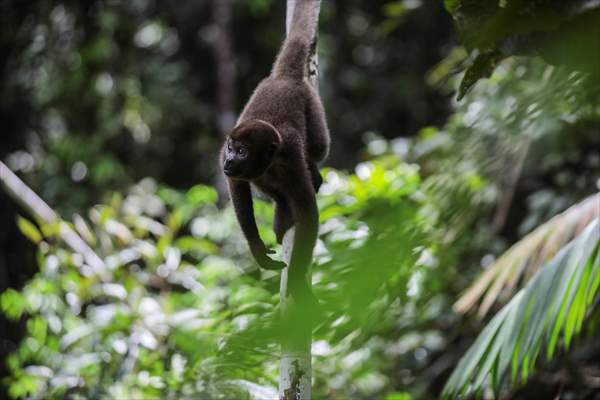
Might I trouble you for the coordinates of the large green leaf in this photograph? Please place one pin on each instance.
(525, 257)
(562, 32)
(508, 347)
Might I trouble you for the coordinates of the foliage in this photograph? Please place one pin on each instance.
(531, 322)
(513, 132)
(126, 333)
(182, 311)
(563, 32)
(525, 257)
(100, 94)
(519, 134)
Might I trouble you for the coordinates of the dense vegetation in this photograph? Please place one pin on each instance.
(439, 262)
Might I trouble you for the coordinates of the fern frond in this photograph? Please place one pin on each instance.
(519, 263)
(549, 311)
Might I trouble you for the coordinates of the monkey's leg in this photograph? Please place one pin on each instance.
(283, 220)
(315, 175)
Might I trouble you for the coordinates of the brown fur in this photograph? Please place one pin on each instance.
(280, 137)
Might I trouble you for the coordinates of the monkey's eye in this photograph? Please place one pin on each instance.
(242, 152)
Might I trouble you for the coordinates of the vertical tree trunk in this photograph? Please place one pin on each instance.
(295, 370)
(226, 71)
(222, 11)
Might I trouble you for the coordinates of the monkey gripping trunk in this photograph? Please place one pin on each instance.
(295, 368)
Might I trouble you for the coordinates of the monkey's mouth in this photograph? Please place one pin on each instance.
(231, 172)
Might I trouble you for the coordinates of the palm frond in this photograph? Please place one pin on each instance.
(519, 263)
(552, 306)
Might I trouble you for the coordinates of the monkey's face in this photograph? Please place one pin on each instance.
(244, 159)
(249, 149)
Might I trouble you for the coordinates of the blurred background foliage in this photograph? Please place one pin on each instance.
(97, 95)
(422, 194)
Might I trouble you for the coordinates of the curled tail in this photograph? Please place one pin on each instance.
(292, 61)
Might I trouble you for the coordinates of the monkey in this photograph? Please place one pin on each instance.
(280, 138)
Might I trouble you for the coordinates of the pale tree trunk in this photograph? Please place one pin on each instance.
(295, 370)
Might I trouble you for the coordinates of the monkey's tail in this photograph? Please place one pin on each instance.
(292, 61)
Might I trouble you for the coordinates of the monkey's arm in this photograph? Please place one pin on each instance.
(241, 196)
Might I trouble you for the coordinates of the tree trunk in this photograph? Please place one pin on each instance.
(295, 369)
(225, 60)
(222, 47)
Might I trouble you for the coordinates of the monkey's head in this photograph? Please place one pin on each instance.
(249, 149)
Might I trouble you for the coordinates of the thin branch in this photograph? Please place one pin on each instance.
(38, 209)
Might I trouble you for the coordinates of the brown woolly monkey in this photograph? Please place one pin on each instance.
(280, 137)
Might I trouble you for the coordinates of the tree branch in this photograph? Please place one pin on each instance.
(38, 209)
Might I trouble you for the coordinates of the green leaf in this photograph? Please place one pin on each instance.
(192, 244)
(451, 5)
(29, 229)
(563, 33)
(201, 195)
(12, 304)
(24, 386)
(398, 396)
(528, 254)
(482, 67)
(514, 337)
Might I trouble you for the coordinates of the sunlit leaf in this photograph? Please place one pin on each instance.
(28, 229)
(12, 303)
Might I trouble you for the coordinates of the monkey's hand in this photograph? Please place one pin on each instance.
(266, 262)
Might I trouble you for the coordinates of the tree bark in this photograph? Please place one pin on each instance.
(295, 372)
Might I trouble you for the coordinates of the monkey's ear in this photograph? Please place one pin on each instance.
(263, 131)
(259, 130)
(275, 136)
(277, 141)
(273, 147)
